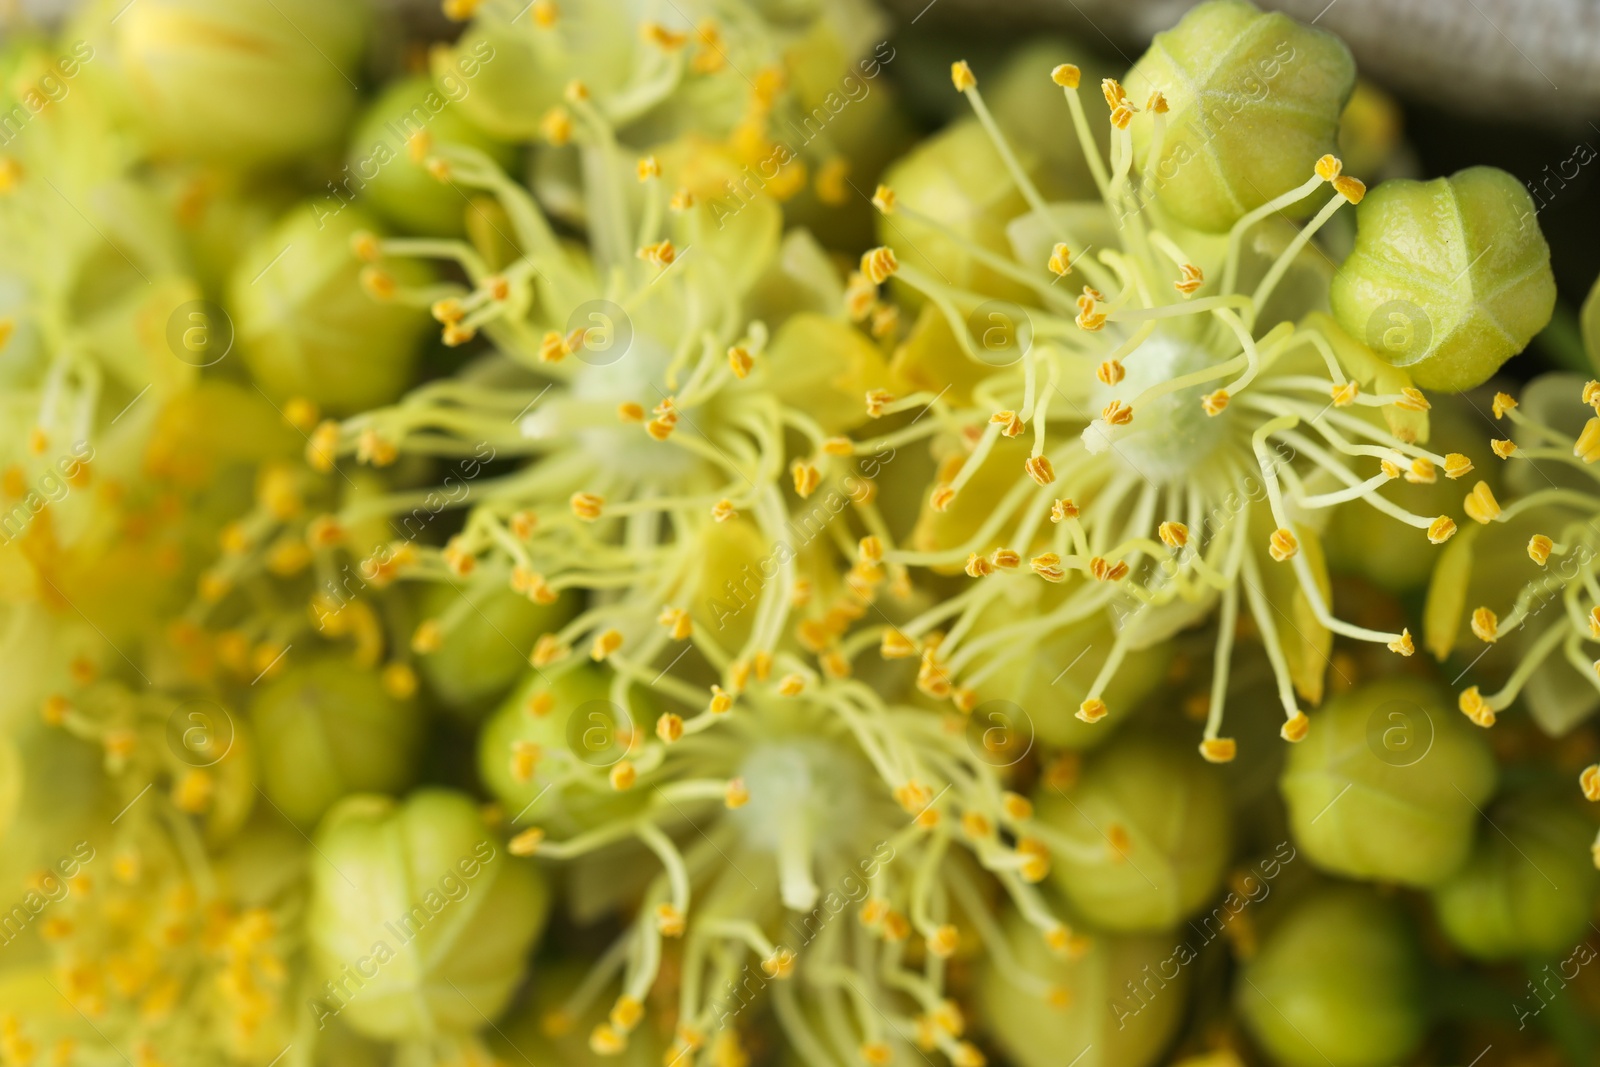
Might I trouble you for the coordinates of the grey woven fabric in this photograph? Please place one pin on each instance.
(1534, 59)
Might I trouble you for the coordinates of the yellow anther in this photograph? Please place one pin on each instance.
(978, 566)
(1192, 276)
(1066, 75)
(1345, 395)
(1215, 403)
(1441, 529)
(604, 1040)
(669, 727)
(1480, 504)
(1503, 402)
(878, 264)
(623, 776)
(1116, 413)
(1282, 545)
(1219, 749)
(1006, 559)
(192, 793)
(1352, 189)
(944, 941)
(806, 478)
(525, 843)
(460, 10)
(1106, 571)
(1091, 710)
(877, 1054)
(877, 400)
(10, 175)
(669, 921)
(429, 636)
(1411, 399)
(1587, 447)
(659, 255)
(721, 701)
(736, 795)
(1589, 782)
(1048, 566)
(1110, 372)
(780, 964)
(740, 360)
(1403, 644)
(681, 201)
(1539, 549)
(1156, 102)
(399, 680)
(961, 76)
(545, 14)
(792, 685)
(630, 411)
(378, 283)
(1474, 707)
(587, 506)
(626, 1013)
(1329, 168)
(1062, 510)
(648, 167)
(1504, 448)
(1456, 465)
(604, 644)
(1294, 730)
(1422, 472)
(883, 199)
(941, 498)
(1173, 534)
(1060, 260)
(723, 510)
(548, 649)
(525, 756)
(1485, 625)
(1039, 469)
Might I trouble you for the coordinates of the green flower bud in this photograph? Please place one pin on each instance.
(1529, 886)
(1146, 832)
(482, 653)
(327, 728)
(307, 324)
(545, 730)
(1253, 102)
(1590, 322)
(392, 143)
(245, 82)
(1142, 981)
(420, 921)
(1337, 982)
(1449, 278)
(1388, 784)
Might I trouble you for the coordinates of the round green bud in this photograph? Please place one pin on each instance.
(311, 321)
(245, 82)
(1253, 102)
(1117, 1005)
(1529, 886)
(327, 728)
(544, 732)
(1589, 321)
(1388, 784)
(420, 921)
(1151, 835)
(1337, 982)
(391, 145)
(483, 652)
(1448, 278)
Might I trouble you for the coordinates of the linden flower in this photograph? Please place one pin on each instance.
(824, 790)
(1174, 446)
(652, 376)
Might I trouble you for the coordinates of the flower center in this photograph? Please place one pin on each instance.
(1171, 434)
